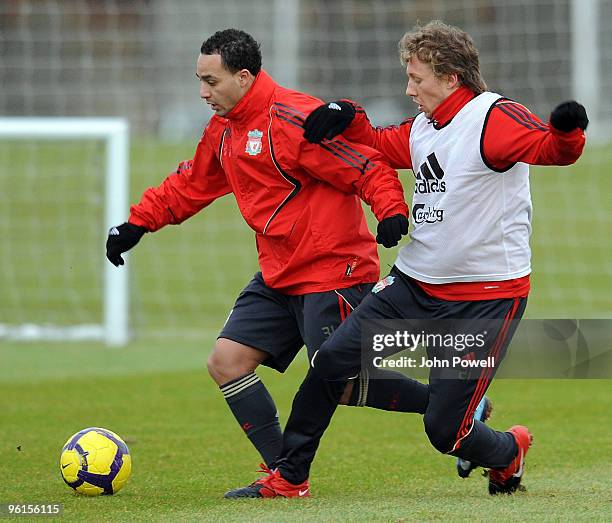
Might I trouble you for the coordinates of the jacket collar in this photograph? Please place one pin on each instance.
(256, 98)
(450, 106)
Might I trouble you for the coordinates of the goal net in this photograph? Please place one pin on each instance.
(53, 214)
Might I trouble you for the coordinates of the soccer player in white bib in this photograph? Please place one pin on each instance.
(469, 254)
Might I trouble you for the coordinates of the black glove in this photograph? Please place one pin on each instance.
(391, 230)
(328, 120)
(569, 115)
(120, 239)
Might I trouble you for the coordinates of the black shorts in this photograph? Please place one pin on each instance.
(280, 324)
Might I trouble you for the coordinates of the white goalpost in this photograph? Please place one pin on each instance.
(114, 132)
(586, 58)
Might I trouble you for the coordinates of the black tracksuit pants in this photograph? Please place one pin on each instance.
(449, 407)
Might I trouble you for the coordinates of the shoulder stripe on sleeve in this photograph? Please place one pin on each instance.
(288, 111)
(521, 116)
(291, 109)
(290, 114)
(518, 108)
(349, 154)
(289, 120)
(350, 151)
(362, 167)
(343, 158)
(522, 109)
(338, 148)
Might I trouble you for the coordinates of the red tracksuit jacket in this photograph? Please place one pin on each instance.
(302, 200)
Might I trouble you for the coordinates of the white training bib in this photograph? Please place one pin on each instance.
(471, 223)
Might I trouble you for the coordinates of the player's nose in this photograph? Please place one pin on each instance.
(204, 92)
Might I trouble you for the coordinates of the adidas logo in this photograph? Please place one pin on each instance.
(113, 232)
(429, 177)
(334, 106)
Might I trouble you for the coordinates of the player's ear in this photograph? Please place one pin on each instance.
(452, 81)
(244, 77)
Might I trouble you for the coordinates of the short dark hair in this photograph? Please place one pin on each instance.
(238, 50)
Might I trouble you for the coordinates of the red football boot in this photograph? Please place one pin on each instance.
(271, 486)
(507, 481)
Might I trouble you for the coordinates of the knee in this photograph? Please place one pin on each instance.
(214, 364)
(218, 366)
(325, 364)
(441, 434)
(225, 364)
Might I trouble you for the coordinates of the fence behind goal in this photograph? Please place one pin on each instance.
(136, 60)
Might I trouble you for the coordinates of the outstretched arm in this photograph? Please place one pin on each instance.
(349, 119)
(352, 168)
(194, 185)
(513, 134)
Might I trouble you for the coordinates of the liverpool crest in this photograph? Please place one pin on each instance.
(253, 145)
(383, 284)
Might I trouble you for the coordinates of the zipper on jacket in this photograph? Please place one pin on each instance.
(293, 181)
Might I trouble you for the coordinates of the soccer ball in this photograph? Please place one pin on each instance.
(95, 461)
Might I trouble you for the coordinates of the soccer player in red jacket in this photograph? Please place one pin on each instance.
(469, 254)
(303, 201)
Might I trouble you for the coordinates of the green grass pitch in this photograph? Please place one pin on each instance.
(187, 449)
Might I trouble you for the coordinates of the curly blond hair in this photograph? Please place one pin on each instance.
(448, 49)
